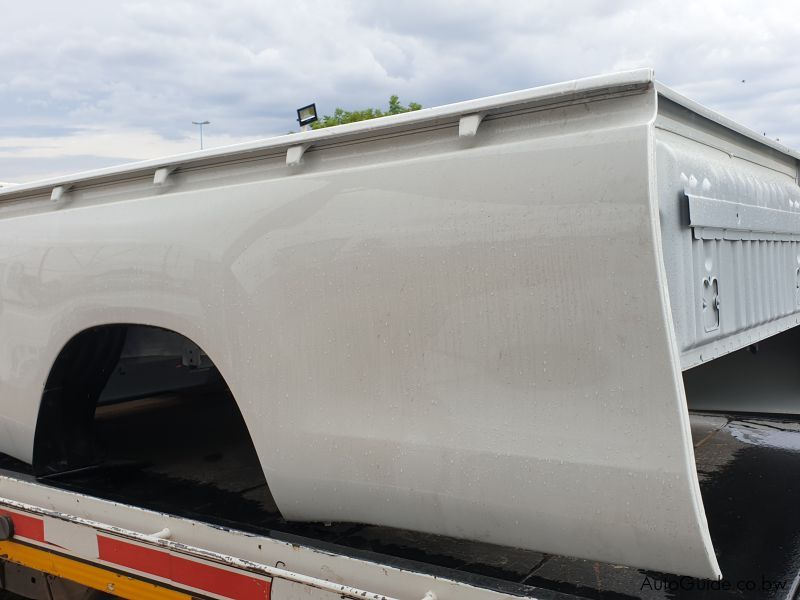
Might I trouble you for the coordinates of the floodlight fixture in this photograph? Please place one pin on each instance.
(307, 115)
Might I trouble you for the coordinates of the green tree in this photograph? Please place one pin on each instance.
(341, 116)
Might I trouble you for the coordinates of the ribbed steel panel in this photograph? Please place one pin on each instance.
(730, 228)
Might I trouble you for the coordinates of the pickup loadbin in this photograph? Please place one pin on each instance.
(470, 320)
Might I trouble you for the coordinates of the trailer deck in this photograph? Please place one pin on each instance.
(743, 461)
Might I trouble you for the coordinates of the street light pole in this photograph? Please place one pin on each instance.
(201, 123)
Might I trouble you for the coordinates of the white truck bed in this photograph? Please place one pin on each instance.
(471, 321)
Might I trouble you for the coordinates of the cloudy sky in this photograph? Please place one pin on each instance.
(91, 83)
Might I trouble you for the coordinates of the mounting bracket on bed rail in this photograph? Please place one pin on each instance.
(162, 175)
(59, 191)
(468, 124)
(294, 154)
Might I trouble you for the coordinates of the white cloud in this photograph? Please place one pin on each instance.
(105, 81)
(118, 144)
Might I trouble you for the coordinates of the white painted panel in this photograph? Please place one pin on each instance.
(74, 538)
(470, 341)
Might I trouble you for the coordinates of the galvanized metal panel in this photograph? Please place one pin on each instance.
(730, 219)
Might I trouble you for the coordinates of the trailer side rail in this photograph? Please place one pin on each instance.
(140, 554)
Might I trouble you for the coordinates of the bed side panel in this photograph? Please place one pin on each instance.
(467, 337)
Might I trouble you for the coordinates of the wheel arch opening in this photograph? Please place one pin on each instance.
(148, 402)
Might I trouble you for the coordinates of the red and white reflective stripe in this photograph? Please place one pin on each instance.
(199, 576)
(80, 537)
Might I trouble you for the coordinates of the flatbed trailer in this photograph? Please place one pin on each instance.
(181, 529)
